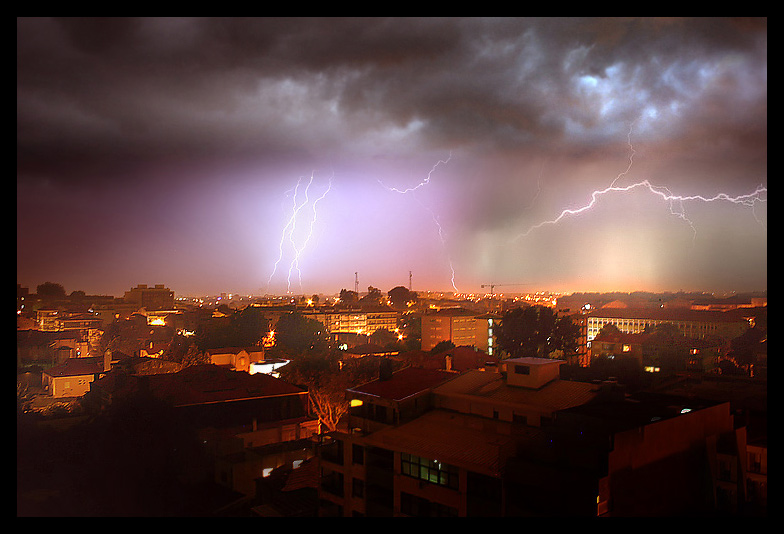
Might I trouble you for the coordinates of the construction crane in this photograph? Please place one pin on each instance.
(493, 286)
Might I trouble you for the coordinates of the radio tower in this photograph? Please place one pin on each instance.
(409, 280)
(356, 284)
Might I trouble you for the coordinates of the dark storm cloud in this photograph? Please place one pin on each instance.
(155, 87)
(536, 112)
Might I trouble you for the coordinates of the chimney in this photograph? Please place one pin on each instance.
(384, 369)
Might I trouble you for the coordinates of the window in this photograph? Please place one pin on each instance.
(517, 418)
(357, 454)
(522, 370)
(431, 471)
(357, 487)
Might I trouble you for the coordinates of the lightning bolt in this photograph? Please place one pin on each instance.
(290, 227)
(440, 229)
(298, 250)
(675, 202)
(420, 184)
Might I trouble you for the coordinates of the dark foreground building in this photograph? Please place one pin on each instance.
(522, 442)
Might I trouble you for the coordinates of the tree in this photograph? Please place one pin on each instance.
(348, 297)
(744, 348)
(50, 291)
(411, 326)
(441, 346)
(401, 296)
(609, 329)
(384, 338)
(194, 356)
(326, 380)
(536, 331)
(297, 334)
(373, 297)
(565, 335)
(667, 347)
(248, 326)
(244, 328)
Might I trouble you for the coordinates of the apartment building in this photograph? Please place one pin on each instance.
(158, 297)
(486, 327)
(362, 321)
(521, 443)
(249, 424)
(457, 325)
(692, 323)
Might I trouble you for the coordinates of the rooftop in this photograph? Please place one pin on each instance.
(673, 314)
(452, 438)
(77, 367)
(454, 312)
(203, 384)
(463, 358)
(556, 395)
(639, 409)
(404, 383)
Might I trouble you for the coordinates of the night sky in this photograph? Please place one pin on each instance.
(175, 151)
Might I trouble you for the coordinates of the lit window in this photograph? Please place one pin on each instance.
(429, 470)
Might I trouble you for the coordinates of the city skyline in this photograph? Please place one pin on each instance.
(286, 155)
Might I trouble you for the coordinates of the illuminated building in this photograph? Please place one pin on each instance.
(73, 377)
(150, 298)
(485, 334)
(363, 321)
(46, 320)
(457, 325)
(691, 323)
(703, 355)
(236, 358)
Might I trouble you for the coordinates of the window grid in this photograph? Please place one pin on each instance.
(431, 471)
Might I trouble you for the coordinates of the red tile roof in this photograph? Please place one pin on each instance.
(202, 384)
(199, 384)
(405, 383)
(77, 367)
(671, 314)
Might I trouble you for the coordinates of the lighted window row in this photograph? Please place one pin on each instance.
(431, 471)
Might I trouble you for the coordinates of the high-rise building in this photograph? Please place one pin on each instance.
(457, 325)
(150, 298)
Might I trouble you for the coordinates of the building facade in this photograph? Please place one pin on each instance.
(158, 297)
(361, 321)
(457, 325)
(691, 323)
(523, 443)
